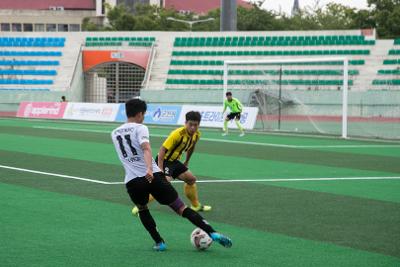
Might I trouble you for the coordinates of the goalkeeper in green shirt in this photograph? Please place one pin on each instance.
(236, 109)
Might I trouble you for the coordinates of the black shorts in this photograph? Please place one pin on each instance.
(173, 168)
(232, 116)
(139, 190)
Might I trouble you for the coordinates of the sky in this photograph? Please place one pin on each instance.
(286, 5)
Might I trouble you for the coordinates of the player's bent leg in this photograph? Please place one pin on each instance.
(225, 127)
(190, 189)
(135, 209)
(240, 127)
(167, 192)
(150, 225)
(180, 208)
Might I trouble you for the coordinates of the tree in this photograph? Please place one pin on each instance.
(87, 25)
(381, 14)
(120, 19)
(255, 19)
(385, 13)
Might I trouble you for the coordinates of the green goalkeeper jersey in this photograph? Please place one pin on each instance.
(235, 106)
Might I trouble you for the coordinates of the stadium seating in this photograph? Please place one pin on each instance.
(118, 41)
(221, 62)
(28, 72)
(23, 82)
(391, 61)
(25, 89)
(394, 52)
(273, 41)
(29, 62)
(30, 53)
(22, 65)
(256, 82)
(262, 72)
(386, 82)
(271, 53)
(103, 44)
(32, 41)
(207, 59)
(389, 72)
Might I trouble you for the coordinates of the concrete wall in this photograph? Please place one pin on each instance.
(44, 16)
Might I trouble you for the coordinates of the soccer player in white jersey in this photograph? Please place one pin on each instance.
(143, 177)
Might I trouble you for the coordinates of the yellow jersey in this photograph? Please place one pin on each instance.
(179, 141)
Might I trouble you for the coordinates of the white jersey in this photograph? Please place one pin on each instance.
(127, 140)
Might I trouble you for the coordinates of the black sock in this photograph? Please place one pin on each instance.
(197, 220)
(150, 225)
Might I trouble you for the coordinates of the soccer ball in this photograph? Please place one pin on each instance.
(200, 239)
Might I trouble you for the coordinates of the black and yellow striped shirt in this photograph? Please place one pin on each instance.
(179, 141)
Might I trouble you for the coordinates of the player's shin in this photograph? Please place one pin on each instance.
(226, 126)
(197, 220)
(239, 125)
(191, 194)
(150, 225)
(179, 207)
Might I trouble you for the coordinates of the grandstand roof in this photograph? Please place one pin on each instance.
(197, 6)
(45, 4)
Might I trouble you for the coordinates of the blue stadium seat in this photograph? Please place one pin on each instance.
(32, 41)
(31, 53)
(25, 82)
(25, 89)
(29, 62)
(28, 72)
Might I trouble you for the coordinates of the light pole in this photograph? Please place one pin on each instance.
(190, 22)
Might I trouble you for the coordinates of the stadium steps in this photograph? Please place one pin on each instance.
(67, 63)
(161, 64)
(372, 65)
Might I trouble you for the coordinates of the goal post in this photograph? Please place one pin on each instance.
(270, 68)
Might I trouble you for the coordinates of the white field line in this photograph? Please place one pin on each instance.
(211, 181)
(54, 174)
(231, 141)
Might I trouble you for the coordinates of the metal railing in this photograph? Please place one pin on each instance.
(149, 66)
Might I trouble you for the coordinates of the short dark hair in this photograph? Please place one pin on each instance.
(135, 106)
(228, 93)
(193, 116)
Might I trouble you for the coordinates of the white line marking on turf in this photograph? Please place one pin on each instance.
(288, 179)
(210, 181)
(54, 174)
(231, 141)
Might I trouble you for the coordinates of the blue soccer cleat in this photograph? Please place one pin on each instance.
(160, 246)
(223, 240)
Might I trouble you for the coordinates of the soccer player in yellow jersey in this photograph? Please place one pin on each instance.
(183, 139)
(236, 109)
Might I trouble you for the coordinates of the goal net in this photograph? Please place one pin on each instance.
(299, 95)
